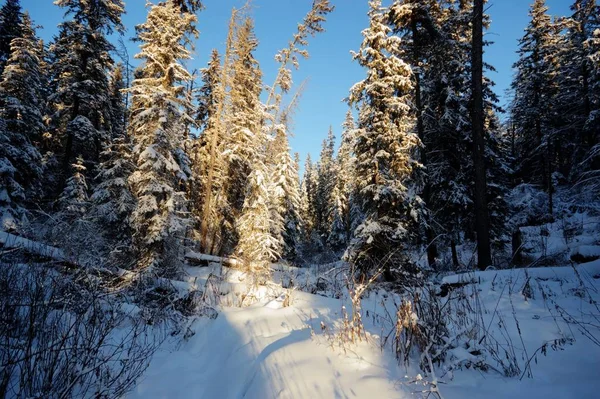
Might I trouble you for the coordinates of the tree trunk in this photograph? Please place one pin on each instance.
(482, 223)
(455, 261)
(517, 247)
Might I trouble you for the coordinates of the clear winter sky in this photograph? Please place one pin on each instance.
(330, 70)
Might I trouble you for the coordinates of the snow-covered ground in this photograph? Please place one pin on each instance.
(268, 351)
(547, 319)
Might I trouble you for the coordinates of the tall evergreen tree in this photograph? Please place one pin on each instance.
(160, 111)
(244, 123)
(118, 108)
(418, 23)
(214, 191)
(274, 120)
(579, 97)
(256, 246)
(436, 36)
(307, 194)
(533, 106)
(112, 199)
(81, 65)
(286, 196)
(10, 28)
(590, 167)
(344, 195)
(21, 109)
(210, 96)
(386, 169)
(326, 177)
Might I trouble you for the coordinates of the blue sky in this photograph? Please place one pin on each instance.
(330, 71)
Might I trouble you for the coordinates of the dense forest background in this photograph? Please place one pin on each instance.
(132, 167)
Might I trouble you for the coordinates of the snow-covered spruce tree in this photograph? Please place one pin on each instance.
(286, 191)
(21, 109)
(276, 116)
(211, 162)
(244, 117)
(273, 117)
(578, 97)
(499, 173)
(118, 108)
(80, 68)
(112, 201)
(74, 200)
(10, 28)
(437, 36)
(419, 23)
(256, 242)
(344, 195)
(385, 147)
(307, 194)
(158, 117)
(590, 167)
(532, 108)
(326, 176)
(210, 95)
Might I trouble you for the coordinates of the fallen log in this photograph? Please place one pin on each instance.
(11, 241)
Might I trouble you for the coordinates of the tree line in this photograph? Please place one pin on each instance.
(134, 167)
(433, 161)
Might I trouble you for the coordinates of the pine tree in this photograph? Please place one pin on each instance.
(112, 200)
(326, 176)
(344, 195)
(285, 224)
(118, 108)
(307, 195)
(590, 175)
(82, 62)
(244, 116)
(482, 221)
(420, 25)
(532, 109)
(274, 119)
(578, 98)
(74, 200)
(21, 109)
(385, 147)
(214, 204)
(437, 37)
(210, 96)
(160, 112)
(10, 28)
(256, 242)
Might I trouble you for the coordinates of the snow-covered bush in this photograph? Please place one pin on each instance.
(529, 205)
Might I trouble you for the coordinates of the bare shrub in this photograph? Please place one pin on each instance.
(55, 344)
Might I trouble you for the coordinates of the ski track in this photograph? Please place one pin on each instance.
(268, 352)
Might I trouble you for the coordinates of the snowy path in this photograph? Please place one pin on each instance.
(267, 351)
